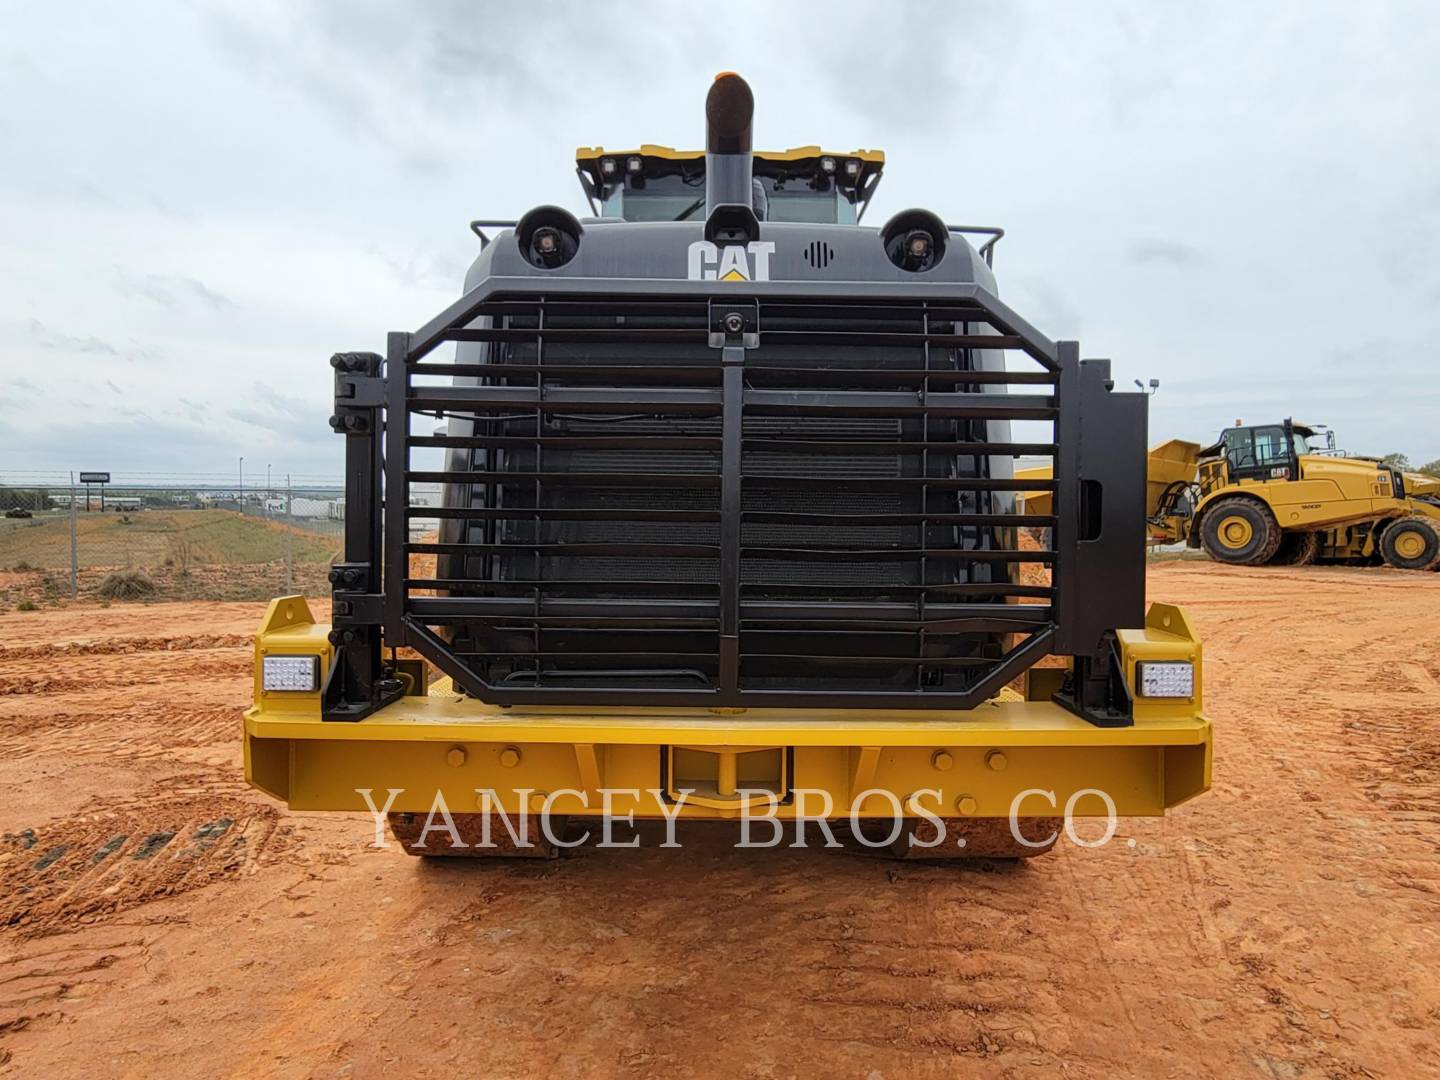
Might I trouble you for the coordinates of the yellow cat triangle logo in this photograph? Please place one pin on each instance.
(733, 275)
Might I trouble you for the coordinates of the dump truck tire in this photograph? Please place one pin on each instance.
(468, 840)
(1297, 549)
(1241, 532)
(985, 838)
(1411, 543)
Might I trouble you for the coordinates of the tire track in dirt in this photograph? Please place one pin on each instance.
(950, 982)
(38, 988)
(126, 852)
(55, 675)
(142, 733)
(61, 651)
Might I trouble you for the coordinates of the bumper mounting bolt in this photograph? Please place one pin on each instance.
(997, 760)
(455, 756)
(966, 804)
(942, 761)
(509, 757)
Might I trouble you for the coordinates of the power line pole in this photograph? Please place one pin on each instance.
(74, 545)
(289, 537)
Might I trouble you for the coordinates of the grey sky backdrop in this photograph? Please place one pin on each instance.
(199, 205)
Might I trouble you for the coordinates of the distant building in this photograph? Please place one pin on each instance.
(302, 507)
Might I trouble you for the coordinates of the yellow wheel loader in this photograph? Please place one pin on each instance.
(703, 508)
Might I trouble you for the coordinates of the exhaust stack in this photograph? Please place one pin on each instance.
(729, 202)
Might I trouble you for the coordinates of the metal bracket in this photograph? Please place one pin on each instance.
(734, 322)
(1096, 691)
(359, 391)
(356, 608)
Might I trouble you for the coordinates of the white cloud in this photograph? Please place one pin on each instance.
(1237, 199)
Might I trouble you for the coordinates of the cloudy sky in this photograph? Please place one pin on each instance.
(198, 205)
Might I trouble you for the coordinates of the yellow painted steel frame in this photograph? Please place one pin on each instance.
(587, 154)
(973, 762)
(1331, 491)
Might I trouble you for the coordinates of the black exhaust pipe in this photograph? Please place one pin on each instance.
(729, 201)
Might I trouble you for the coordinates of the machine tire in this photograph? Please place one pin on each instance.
(471, 831)
(985, 838)
(1241, 532)
(1297, 549)
(1411, 543)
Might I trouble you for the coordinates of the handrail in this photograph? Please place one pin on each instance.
(987, 249)
(479, 226)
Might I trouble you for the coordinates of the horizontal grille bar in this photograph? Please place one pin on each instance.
(560, 442)
(522, 513)
(709, 376)
(588, 335)
(427, 607)
(664, 399)
(683, 480)
(621, 550)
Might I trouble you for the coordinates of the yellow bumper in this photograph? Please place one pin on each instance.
(977, 763)
(973, 763)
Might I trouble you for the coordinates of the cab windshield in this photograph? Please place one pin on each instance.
(682, 198)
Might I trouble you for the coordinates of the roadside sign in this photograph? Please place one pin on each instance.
(94, 477)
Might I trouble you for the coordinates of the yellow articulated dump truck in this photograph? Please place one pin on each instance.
(1269, 494)
(703, 507)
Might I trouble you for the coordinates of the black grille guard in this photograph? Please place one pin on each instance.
(768, 494)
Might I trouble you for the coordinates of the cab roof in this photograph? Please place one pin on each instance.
(855, 171)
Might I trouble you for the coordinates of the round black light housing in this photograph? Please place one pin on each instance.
(548, 237)
(915, 240)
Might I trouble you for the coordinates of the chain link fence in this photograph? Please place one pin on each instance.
(171, 540)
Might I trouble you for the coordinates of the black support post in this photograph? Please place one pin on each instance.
(1099, 533)
(356, 684)
(397, 487)
(733, 360)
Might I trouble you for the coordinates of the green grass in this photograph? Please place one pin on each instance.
(155, 538)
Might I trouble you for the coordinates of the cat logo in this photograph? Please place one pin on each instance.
(731, 262)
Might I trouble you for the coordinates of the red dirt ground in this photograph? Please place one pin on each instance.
(1285, 925)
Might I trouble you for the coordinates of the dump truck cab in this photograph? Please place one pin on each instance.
(729, 524)
(1261, 452)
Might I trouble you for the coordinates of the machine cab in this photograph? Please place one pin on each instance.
(1263, 452)
(656, 183)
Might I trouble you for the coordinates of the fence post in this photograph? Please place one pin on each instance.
(74, 547)
(289, 537)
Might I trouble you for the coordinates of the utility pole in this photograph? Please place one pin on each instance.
(289, 537)
(74, 546)
(240, 494)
